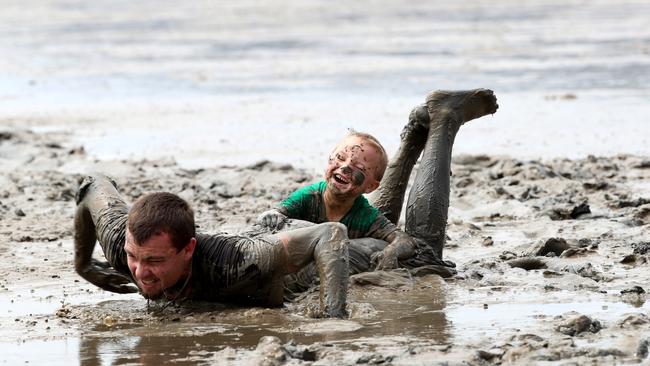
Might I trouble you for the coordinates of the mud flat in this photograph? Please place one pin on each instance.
(552, 263)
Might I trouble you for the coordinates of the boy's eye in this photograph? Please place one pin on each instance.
(340, 157)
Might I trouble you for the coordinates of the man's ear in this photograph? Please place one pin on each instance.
(372, 186)
(188, 251)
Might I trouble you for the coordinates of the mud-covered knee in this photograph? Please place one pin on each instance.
(335, 231)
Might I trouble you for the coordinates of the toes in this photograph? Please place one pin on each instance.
(489, 99)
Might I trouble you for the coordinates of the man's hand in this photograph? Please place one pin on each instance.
(272, 219)
(386, 259)
(102, 275)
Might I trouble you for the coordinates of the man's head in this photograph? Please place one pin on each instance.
(356, 165)
(160, 241)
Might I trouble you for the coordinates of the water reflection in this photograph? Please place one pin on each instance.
(196, 331)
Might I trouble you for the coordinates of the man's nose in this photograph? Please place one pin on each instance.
(141, 270)
(346, 169)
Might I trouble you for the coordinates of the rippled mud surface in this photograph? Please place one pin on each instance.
(552, 266)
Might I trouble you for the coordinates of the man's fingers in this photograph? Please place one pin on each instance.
(449, 264)
(108, 279)
(118, 284)
(127, 289)
(100, 264)
(120, 289)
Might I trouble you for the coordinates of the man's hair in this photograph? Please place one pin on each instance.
(372, 141)
(155, 213)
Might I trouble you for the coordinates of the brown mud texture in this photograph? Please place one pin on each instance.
(552, 259)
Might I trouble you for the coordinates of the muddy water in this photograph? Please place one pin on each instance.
(129, 332)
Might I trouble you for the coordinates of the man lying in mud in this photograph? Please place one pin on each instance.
(155, 246)
(358, 165)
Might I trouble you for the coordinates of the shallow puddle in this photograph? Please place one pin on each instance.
(403, 321)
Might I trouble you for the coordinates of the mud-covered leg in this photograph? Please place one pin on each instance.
(389, 196)
(101, 213)
(327, 245)
(360, 253)
(428, 201)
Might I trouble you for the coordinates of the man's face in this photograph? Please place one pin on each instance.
(156, 264)
(352, 168)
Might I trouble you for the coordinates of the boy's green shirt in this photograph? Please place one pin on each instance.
(363, 220)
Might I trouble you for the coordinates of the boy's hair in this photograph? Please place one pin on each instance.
(160, 212)
(372, 140)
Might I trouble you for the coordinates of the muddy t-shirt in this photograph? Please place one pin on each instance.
(224, 267)
(362, 221)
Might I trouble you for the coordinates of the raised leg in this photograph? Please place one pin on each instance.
(428, 201)
(101, 214)
(389, 196)
(327, 245)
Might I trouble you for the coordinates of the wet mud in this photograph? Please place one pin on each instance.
(534, 283)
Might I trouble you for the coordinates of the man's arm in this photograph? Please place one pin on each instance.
(100, 274)
(400, 246)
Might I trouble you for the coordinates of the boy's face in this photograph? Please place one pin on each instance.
(352, 168)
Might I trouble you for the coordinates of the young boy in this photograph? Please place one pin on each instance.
(357, 165)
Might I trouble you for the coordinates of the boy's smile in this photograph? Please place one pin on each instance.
(352, 167)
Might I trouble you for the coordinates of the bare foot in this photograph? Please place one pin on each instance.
(463, 105)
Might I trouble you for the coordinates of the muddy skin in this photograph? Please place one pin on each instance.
(89, 205)
(357, 174)
(389, 196)
(327, 243)
(228, 268)
(357, 177)
(428, 201)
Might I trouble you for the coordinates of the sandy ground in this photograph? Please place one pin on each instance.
(549, 210)
(583, 300)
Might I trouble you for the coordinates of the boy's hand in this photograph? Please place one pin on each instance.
(386, 259)
(272, 219)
